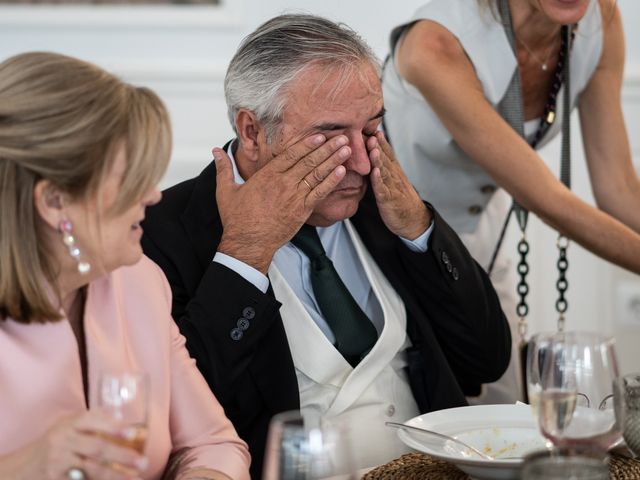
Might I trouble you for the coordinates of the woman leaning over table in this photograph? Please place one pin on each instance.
(450, 69)
(81, 153)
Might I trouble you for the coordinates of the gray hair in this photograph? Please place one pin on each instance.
(271, 57)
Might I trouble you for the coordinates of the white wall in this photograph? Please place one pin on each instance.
(182, 52)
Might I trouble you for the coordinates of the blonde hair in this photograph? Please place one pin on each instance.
(62, 119)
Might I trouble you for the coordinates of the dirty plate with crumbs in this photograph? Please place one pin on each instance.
(497, 430)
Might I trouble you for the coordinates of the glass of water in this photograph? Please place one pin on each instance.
(307, 448)
(575, 406)
(536, 351)
(566, 464)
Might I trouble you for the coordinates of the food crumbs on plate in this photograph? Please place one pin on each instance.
(500, 452)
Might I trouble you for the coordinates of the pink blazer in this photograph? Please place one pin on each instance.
(128, 326)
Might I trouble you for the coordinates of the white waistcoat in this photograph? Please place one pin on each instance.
(363, 398)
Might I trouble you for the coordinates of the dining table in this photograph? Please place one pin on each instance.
(420, 466)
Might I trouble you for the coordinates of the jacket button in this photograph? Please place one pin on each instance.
(475, 209)
(236, 334)
(391, 410)
(445, 257)
(455, 274)
(243, 324)
(249, 313)
(487, 189)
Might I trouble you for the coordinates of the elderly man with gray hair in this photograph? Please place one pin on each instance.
(306, 271)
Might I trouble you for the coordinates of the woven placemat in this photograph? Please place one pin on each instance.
(418, 466)
(624, 468)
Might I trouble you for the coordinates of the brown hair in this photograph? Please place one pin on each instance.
(61, 119)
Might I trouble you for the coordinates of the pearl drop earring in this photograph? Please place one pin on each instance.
(69, 240)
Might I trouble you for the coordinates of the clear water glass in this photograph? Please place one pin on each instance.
(566, 464)
(536, 351)
(310, 448)
(575, 406)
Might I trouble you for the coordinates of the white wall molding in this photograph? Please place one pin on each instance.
(190, 77)
(631, 84)
(230, 13)
(632, 72)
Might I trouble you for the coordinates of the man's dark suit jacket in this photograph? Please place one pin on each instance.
(459, 333)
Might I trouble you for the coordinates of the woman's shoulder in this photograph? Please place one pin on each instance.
(469, 45)
(143, 268)
(463, 18)
(143, 279)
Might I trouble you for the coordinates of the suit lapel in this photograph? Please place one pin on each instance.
(201, 219)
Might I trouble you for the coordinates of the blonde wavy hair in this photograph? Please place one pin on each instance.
(62, 119)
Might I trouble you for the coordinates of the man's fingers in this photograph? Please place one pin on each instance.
(380, 191)
(325, 187)
(333, 146)
(324, 169)
(372, 142)
(312, 159)
(386, 148)
(294, 153)
(375, 157)
(224, 170)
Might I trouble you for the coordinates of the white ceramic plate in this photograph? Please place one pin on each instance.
(498, 430)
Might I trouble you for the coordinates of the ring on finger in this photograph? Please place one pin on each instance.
(76, 473)
(304, 180)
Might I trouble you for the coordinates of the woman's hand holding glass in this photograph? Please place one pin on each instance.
(77, 442)
(575, 405)
(124, 398)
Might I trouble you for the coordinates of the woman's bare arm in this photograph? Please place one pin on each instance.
(432, 59)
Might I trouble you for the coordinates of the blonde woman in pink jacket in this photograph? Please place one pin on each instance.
(81, 153)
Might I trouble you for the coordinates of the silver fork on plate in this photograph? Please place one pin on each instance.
(442, 436)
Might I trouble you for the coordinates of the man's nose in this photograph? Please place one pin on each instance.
(359, 160)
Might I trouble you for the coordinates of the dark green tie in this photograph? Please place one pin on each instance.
(354, 332)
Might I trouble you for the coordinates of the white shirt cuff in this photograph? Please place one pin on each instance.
(250, 274)
(420, 244)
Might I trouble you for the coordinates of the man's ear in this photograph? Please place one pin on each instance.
(49, 202)
(249, 132)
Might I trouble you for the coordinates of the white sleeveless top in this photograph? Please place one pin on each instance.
(441, 172)
(462, 191)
